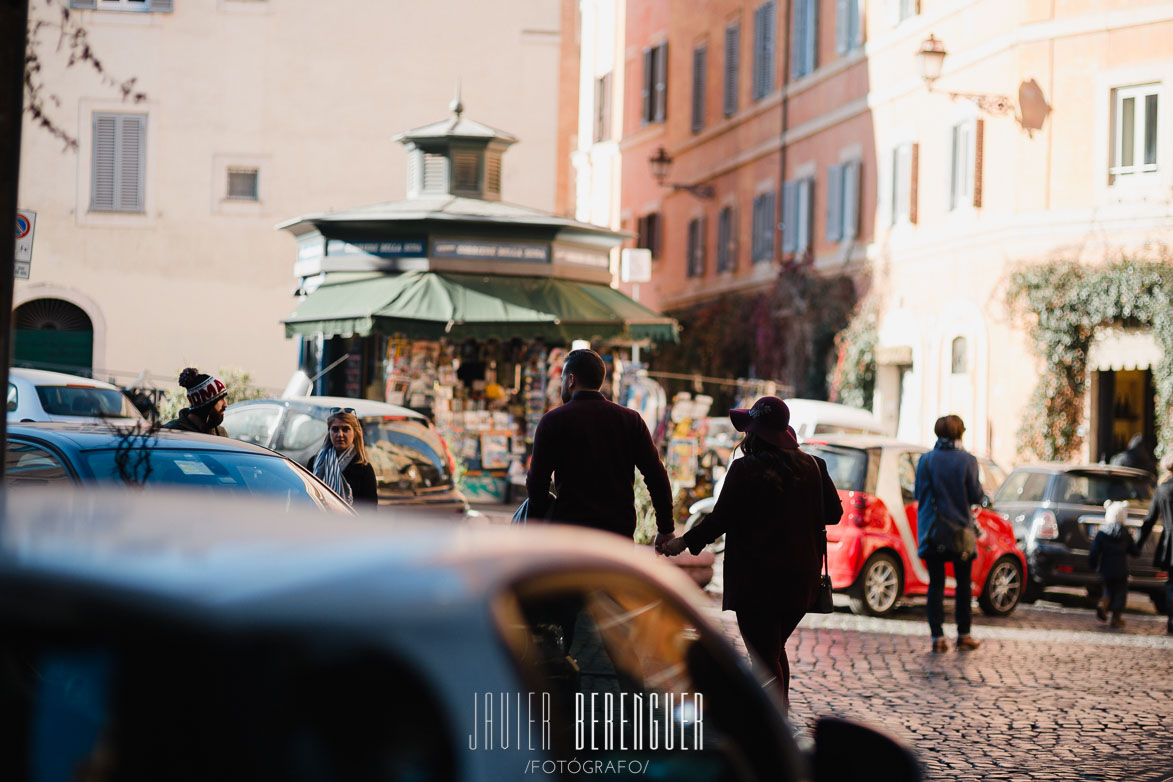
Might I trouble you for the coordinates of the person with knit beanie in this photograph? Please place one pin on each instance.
(206, 399)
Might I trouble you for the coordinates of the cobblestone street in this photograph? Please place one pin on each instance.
(1051, 694)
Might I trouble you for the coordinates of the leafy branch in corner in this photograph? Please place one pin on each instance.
(73, 43)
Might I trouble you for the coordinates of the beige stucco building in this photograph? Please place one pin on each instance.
(159, 227)
(1081, 167)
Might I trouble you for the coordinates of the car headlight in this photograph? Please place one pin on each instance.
(1044, 526)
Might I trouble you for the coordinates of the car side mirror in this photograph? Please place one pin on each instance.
(846, 751)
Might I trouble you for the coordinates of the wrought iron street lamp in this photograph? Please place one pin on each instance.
(930, 60)
(661, 162)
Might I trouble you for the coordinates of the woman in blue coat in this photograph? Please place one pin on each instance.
(946, 486)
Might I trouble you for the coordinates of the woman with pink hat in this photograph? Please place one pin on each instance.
(772, 510)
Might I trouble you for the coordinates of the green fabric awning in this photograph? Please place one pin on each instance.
(431, 305)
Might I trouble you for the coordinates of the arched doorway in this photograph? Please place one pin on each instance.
(53, 334)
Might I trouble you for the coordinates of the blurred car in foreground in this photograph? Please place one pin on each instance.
(410, 458)
(221, 642)
(871, 553)
(37, 395)
(58, 455)
(1056, 510)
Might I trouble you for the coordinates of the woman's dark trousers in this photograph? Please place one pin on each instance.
(962, 570)
(765, 634)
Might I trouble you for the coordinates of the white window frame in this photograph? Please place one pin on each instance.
(848, 26)
(1139, 95)
(962, 163)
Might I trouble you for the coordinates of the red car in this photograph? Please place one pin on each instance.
(871, 553)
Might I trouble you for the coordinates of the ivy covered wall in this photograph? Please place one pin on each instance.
(1064, 304)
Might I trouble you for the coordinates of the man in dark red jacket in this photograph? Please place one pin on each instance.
(593, 446)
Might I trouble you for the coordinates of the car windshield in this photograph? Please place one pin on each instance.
(406, 454)
(86, 401)
(848, 467)
(216, 471)
(1077, 488)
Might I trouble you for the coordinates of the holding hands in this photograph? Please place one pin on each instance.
(669, 545)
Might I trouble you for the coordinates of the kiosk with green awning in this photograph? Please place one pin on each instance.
(455, 302)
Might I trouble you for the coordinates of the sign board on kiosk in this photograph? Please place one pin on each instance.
(26, 221)
(635, 265)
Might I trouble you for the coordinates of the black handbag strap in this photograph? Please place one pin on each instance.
(822, 514)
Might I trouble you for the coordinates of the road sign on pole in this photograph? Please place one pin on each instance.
(26, 221)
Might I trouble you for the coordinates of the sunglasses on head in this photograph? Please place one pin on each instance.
(334, 410)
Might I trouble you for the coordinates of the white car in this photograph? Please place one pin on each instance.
(38, 395)
(190, 637)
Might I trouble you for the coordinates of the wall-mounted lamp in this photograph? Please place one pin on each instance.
(930, 59)
(661, 162)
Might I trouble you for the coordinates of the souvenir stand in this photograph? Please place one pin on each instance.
(456, 303)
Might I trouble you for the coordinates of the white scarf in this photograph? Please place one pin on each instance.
(328, 466)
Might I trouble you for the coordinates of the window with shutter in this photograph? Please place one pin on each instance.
(699, 61)
(834, 203)
(804, 38)
(902, 181)
(732, 63)
(961, 177)
(660, 101)
(603, 108)
(696, 248)
(806, 196)
(913, 174)
(851, 191)
(466, 172)
(648, 233)
(435, 173)
(764, 223)
(492, 174)
(976, 185)
(907, 9)
(243, 184)
(648, 86)
(848, 27)
(725, 235)
(119, 151)
(789, 217)
(763, 55)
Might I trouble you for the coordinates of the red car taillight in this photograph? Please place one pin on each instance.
(858, 509)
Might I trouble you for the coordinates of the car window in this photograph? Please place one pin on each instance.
(1074, 488)
(252, 423)
(906, 466)
(13, 398)
(1023, 486)
(26, 464)
(990, 476)
(218, 471)
(301, 431)
(848, 467)
(254, 705)
(86, 401)
(603, 643)
(406, 455)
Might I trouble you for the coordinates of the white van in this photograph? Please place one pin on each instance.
(810, 417)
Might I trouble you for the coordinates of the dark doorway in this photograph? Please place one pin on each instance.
(1125, 407)
(53, 334)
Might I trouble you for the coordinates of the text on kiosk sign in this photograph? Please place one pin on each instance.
(491, 251)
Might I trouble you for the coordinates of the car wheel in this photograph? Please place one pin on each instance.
(1003, 588)
(879, 585)
(1159, 602)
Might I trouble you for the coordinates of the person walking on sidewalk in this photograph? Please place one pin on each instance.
(772, 509)
(946, 486)
(342, 463)
(1162, 510)
(1109, 555)
(593, 447)
(207, 398)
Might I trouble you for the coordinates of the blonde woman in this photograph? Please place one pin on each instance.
(342, 463)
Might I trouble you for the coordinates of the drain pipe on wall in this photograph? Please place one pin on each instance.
(785, 119)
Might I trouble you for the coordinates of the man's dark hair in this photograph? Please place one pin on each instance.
(949, 426)
(587, 367)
